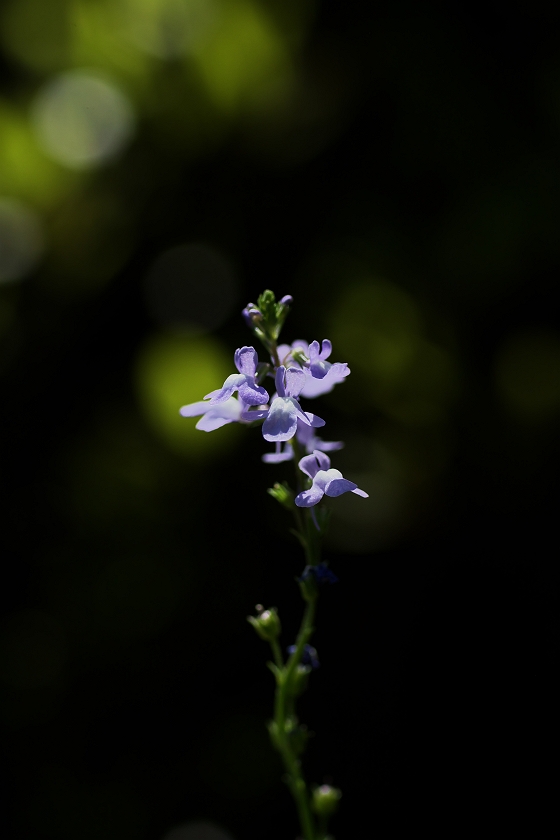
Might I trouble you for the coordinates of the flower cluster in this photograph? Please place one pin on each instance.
(299, 370)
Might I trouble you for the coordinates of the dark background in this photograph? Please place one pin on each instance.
(395, 168)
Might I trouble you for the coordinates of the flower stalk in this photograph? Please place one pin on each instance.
(299, 370)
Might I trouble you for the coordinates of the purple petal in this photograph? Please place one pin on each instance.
(276, 457)
(317, 387)
(231, 384)
(326, 350)
(319, 369)
(287, 300)
(252, 394)
(307, 437)
(361, 493)
(283, 351)
(308, 465)
(323, 460)
(279, 381)
(314, 349)
(194, 409)
(339, 370)
(220, 415)
(328, 446)
(300, 413)
(281, 423)
(314, 420)
(338, 486)
(246, 360)
(309, 497)
(248, 415)
(295, 380)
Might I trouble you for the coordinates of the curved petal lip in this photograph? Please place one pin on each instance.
(253, 394)
(194, 409)
(338, 486)
(277, 457)
(309, 497)
(281, 423)
(210, 422)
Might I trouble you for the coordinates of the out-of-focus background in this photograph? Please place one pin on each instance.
(395, 168)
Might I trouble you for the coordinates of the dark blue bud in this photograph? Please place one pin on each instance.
(308, 656)
(319, 573)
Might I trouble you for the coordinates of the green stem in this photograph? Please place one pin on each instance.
(276, 652)
(296, 781)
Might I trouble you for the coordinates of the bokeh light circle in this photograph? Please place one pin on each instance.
(82, 120)
(21, 240)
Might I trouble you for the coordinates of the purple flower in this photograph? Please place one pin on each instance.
(220, 414)
(285, 411)
(322, 375)
(308, 656)
(326, 481)
(306, 437)
(246, 361)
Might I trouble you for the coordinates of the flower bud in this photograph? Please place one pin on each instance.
(266, 623)
(325, 800)
(283, 495)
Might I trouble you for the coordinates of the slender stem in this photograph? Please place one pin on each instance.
(292, 764)
(276, 652)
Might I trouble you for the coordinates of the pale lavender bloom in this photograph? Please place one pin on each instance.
(285, 411)
(326, 481)
(246, 361)
(306, 437)
(322, 375)
(220, 414)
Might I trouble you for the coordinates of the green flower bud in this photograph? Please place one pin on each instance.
(325, 800)
(299, 356)
(266, 623)
(283, 494)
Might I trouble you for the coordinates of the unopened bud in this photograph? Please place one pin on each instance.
(283, 495)
(325, 800)
(266, 624)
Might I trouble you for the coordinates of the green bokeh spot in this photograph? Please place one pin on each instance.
(176, 370)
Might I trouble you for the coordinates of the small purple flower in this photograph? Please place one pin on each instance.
(285, 411)
(308, 656)
(215, 416)
(287, 300)
(319, 573)
(306, 437)
(246, 361)
(326, 481)
(322, 375)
